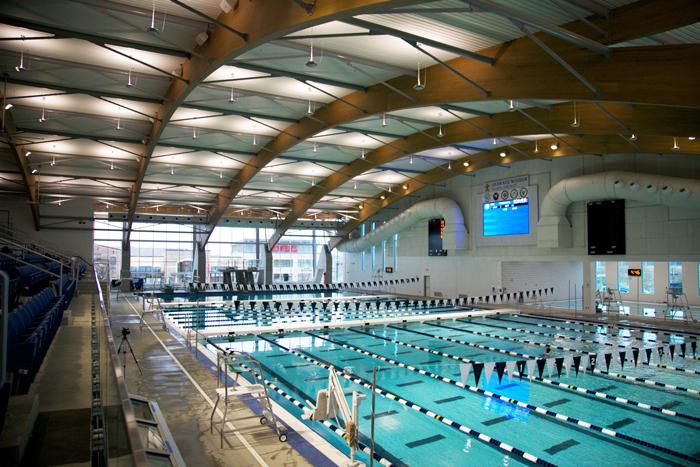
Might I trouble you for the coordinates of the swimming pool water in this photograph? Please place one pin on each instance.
(408, 437)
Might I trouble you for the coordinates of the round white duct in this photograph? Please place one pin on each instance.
(455, 235)
(554, 229)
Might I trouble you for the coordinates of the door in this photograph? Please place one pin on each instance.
(426, 286)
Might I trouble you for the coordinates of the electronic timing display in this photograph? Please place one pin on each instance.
(506, 217)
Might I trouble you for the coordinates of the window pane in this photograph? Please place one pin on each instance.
(675, 276)
(396, 241)
(623, 279)
(600, 275)
(648, 277)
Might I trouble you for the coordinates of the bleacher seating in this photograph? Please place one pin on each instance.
(31, 329)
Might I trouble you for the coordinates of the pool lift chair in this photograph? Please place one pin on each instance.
(330, 402)
(677, 301)
(238, 363)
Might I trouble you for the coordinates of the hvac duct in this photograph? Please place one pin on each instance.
(554, 229)
(455, 235)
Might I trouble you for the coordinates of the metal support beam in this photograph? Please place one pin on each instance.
(423, 40)
(628, 129)
(343, 56)
(240, 113)
(556, 57)
(97, 40)
(297, 76)
(572, 12)
(242, 35)
(144, 13)
(418, 47)
(144, 63)
(307, 7)
(456, 108)
(87, 92)
(593, 7)
(544, 26)
(348, 63)
(369, 132)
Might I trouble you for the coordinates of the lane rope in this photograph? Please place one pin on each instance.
(363, 382)
(538, 379)
(539, 410)
(568, 349)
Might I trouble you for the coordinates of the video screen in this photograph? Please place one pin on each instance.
(509, 217)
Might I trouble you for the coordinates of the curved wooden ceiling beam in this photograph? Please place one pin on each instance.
(522, 71)
(643, 120)
(263, 22)
(587, 144)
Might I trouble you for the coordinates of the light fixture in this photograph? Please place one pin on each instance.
(53, 158)
(555, 146)
(410, 161)
(576, 122)
(255, 139)
(495, 142)
(152, 30)
(449, 165)
(633, 137)
(511, 108)
(313, 182)
(111, 165)
(537, 146)
(194, 129)
(27, 153)
(440, 133)
(129, 84)
(382, 196)
(172, 170)
(311, 63)
(231, 100)
(315, 147)
(675, 144)
(363, 149)
(355, 185)
(503, 154)
(34, 171)
(8, 106)
(272, 178)
(21, 59)
(466, 163)
(43, 109)
(310, 111)
(405, 186)
(383, 119)
(691, 138)
(389, 189)
(221, 174)
(419, 86)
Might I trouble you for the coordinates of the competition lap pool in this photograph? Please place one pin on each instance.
(617, 413)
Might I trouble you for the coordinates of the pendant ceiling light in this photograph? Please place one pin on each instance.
(576, 121)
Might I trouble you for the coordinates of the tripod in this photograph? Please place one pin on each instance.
(125, 332)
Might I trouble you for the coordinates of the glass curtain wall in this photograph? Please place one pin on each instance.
(600, 275)
(648, 277)
(675, 276)
(623, 278)
(107, 248)
(162, 253)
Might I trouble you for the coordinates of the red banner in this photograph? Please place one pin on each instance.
(285, 249)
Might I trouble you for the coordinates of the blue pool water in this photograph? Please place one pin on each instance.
(408, 437)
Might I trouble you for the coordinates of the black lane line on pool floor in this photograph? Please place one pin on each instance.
(421, 442)
(562, 446)
(494, 421)
(558, 347)
(484, 393)
(562, 385)
(489, 441)
(580, 339)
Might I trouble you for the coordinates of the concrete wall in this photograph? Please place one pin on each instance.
(65, 233)
(654, 233)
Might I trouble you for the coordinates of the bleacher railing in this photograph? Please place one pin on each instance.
(115, 375)
(31, 245)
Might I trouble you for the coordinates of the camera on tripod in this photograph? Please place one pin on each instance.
(126, 332)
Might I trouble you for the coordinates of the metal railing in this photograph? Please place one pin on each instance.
(138, 455)
(32, 245)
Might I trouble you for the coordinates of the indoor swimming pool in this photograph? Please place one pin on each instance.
(643, 415)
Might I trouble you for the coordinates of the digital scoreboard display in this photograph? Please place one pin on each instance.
(435, 229)
(507, 217)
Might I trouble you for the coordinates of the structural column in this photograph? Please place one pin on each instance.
(588, 286)
(125, 275)
(200, 262)
(268, 265)
(329, 264)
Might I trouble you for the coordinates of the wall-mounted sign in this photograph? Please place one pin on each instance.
(507, 184)
(634, 272)
(285, 249)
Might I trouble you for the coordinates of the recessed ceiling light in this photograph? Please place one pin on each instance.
(503, 154)
(466, 163)
(555, 146)
(383, 197)
(633, 137)
(8, 106)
